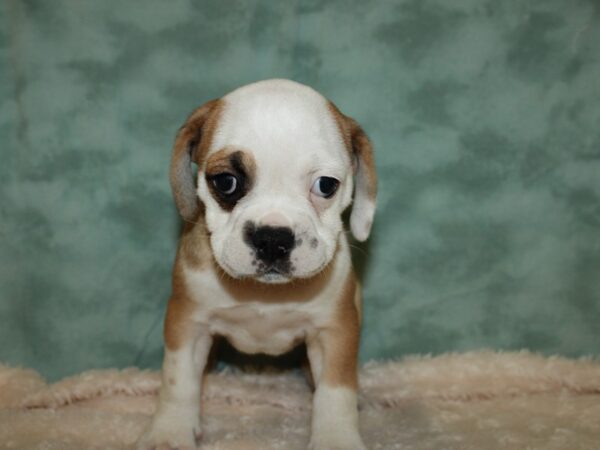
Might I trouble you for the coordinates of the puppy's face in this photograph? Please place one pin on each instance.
(275, 172)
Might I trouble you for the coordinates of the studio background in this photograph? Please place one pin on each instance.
(485, 120)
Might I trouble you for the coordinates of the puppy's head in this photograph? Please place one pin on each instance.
(276, 163)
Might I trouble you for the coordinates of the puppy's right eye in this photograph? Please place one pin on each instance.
(225, 183)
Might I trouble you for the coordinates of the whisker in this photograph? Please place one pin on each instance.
(360, 249)
(188, 221)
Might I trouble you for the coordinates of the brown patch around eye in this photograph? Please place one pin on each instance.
(226, 163)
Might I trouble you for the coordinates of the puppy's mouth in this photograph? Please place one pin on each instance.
(273, 278)
(273, 274)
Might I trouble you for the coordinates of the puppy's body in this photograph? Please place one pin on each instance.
(263, 260)
(271, 321)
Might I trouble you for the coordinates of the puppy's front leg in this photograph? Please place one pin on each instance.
(176, 422)
(333, 357)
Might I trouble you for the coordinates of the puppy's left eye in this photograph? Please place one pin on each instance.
(325, 187)
(225, 183)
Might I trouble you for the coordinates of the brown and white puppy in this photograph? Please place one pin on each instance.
(263, 260)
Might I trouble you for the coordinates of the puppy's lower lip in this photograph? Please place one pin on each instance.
(272, 277)
(272, 273)
(274, 270)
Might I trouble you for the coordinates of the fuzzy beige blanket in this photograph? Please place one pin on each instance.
(478, 400)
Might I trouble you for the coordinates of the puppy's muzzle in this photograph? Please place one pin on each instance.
(272, 247)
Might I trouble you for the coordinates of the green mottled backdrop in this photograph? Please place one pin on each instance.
(485, 116)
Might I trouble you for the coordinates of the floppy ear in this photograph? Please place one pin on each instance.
(365, 188)
(191, 144)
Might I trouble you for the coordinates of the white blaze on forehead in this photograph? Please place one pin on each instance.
(278, 117)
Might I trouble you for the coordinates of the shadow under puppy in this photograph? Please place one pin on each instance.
(263, 259)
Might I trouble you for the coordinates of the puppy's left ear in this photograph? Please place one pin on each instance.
(191, 145)
(365, 189)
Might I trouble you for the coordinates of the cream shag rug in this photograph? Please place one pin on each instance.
(478, 400)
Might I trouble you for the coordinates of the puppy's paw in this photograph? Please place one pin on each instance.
(169, 436)
(337, 441)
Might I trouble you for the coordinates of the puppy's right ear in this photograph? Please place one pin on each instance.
(191, 144)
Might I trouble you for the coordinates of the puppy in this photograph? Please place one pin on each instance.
(263, 259)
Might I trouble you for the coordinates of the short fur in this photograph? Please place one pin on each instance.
(277, 139)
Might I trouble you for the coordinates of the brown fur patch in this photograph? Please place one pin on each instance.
(179, 327)
(341, 120)
(201, 126)
(192, 144)
(194, 246)
(239, 163)
(360, 148)
(193, 252)
(340, 340)
(218, 162)
(221, 161)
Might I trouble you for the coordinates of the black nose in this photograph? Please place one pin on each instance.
(271, 243)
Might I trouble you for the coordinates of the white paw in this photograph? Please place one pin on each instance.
(162, 435)
(337, 441)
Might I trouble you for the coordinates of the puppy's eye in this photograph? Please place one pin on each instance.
(325, 187)
(225, 183)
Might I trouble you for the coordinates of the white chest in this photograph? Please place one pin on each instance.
(258, 328)
(266, 319)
